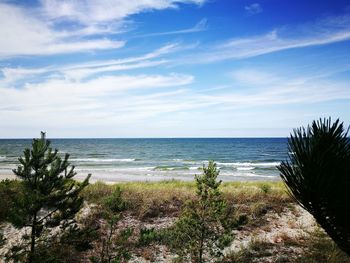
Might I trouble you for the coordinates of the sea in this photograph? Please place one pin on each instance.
(117, 160)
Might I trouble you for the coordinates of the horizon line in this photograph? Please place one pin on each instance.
(94, 138)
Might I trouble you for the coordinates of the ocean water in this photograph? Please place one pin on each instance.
(158, 159)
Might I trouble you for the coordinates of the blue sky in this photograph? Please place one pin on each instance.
(172, 68)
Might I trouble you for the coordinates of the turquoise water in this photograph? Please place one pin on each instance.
(157, 159)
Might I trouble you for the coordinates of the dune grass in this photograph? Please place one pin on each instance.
(165, 198)
(148, 201)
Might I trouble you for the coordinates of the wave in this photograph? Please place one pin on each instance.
(170, 168)
(250, 164)
(247, 174)
(245, 168)
(128, 169)
(102, 160)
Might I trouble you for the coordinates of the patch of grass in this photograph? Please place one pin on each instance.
(266, 188)
(94, 193)
(165, 198)
(320, 248)
(257, 249)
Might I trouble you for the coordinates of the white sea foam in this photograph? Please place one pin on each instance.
(8, 158)
(245, 168)
(119, 169)
(246, 174)
(250, 164)
(98, 160)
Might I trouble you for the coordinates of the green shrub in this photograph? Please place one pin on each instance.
(148, 235)
(202, 224)
(11, 196)
(114, 242)
(114, 202)
(265, 188)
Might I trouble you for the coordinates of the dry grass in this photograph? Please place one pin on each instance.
(165, 198)
(319, 247)
(157, 205)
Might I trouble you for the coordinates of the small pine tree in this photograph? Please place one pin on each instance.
(50, 196)
(114, 242)
(203, 226)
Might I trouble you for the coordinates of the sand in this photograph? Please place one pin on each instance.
(6, 176)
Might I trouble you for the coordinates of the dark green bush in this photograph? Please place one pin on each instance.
(11, 195)
(317, 175)
(115, 202)
(149, 235)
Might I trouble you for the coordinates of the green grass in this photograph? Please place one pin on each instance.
(165, 190)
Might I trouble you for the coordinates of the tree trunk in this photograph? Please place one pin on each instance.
(201, 244)
(32, 242)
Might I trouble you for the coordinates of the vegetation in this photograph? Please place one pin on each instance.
(113, 243)
(11, 192)
(317, 176)
(203, 225)
(48, 197)
(150, 238)
(147, 236)
(316, 247)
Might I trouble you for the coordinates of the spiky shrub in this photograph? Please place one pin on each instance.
(50, 197)
(203, 228)
(317, 175)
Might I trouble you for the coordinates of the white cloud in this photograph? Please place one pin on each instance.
(253, 77)
(169, 48)
(260, 88)
(323, 32)
(24, 34)
(199, 27)
(38, 31)
(109, 104)
(101, 11)
(253, 9)
(53, 93)
(83, 70)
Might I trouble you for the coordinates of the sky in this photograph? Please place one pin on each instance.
(172, 68)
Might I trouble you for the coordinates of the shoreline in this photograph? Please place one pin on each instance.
(152, 180)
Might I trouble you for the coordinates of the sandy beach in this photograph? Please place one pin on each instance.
(7, 176)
